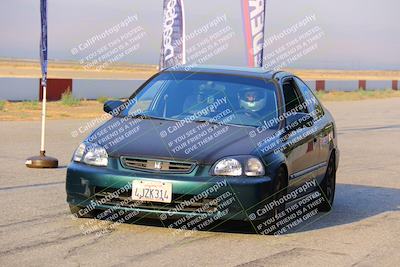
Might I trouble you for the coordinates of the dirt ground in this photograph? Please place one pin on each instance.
(68, 69)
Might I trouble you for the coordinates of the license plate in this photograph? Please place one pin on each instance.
(152, 191)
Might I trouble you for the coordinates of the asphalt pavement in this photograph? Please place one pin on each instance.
(363, 229)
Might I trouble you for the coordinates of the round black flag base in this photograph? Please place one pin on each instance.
(41, 161)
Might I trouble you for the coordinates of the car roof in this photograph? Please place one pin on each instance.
(231, 70)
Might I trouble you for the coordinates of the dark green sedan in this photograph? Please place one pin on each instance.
(201, 144)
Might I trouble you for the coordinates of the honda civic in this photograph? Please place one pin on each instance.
(226, 143)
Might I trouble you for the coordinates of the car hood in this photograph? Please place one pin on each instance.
(186, 141)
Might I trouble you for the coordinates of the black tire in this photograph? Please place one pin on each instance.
(328, 185)
(75, 210)
(280, 188)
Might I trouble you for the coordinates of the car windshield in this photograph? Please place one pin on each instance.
(201, 97)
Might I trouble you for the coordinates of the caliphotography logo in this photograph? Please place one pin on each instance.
(199, 133)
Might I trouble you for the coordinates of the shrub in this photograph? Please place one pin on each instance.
(2, 104)
(68, 99)
(320, 94)
(33, 104)
(102, 99)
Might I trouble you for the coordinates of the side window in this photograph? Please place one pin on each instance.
(313, 105)
(293, 99)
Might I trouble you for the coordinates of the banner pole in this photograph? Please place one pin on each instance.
(43, 161)
(42, 138)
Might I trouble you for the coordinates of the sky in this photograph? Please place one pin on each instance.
(357, 34)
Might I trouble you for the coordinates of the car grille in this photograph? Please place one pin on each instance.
(155, 165)
(179, 202)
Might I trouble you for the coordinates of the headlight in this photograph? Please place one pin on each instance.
(228, 167)
(78, 155)
(91, 154)
(254, 167)
(238, 165)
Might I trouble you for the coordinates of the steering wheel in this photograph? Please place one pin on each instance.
(249, 113)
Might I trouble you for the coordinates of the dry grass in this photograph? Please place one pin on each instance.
(26, 111)
(18, 68)
(31, 110)
(357, 95)
(320, 74)
(71, 69)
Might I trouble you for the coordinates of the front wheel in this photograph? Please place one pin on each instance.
(328, 185)
(280, 189)
(272, 223)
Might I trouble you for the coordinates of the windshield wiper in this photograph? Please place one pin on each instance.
(140, 116)
(149, 117)
(222, 123)
(206, 121)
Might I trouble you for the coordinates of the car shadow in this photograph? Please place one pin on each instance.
(352, 203)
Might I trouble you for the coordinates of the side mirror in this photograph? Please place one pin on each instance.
(110, 105)
(297, 121)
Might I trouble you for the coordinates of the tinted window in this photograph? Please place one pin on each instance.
(311, 101)
(293, 99)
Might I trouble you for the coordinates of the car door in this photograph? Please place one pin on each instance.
(301, 148)
(324, 129)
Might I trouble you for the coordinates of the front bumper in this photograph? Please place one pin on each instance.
(227, 198)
